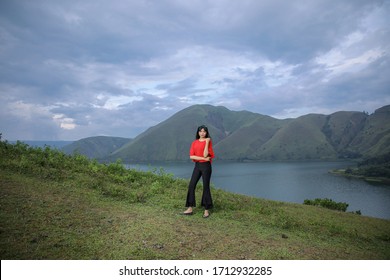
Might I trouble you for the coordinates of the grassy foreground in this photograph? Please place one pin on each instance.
(55, 206)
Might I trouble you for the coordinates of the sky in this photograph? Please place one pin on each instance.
(73, 69)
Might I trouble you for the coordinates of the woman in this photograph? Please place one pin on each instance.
(201, 152)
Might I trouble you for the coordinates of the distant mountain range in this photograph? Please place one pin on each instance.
(97, 147)
(42, 143)
(243, 135)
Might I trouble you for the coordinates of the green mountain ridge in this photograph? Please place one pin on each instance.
(244, 135)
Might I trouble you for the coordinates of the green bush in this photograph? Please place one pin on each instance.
(327, 203)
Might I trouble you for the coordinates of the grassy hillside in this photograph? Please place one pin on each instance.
(55, 206)
(374, 138)
(300, 139)
(341, 128)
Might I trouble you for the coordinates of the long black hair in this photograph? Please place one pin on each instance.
(205, 129)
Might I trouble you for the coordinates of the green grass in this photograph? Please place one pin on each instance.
(55, 206)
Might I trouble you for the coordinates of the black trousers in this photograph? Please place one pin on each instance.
(204, 170)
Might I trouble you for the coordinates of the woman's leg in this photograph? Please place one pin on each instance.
(207, 201)
(196, 173)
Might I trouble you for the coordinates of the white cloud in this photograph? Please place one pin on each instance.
(350, 55)
(64, 122)
(28, 111)
(114, 102)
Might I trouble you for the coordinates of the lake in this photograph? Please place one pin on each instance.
(291, 182)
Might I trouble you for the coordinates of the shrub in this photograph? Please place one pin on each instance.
(327, 203)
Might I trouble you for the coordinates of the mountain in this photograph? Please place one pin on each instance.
(170, 139)
(243, 135)
(96, 147)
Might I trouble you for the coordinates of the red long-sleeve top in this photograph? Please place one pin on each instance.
(197, 149)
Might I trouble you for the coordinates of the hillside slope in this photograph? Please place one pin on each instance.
(374, 138)
(58, 207)
(300, 139)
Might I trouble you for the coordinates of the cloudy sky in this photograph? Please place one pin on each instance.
(73, 69)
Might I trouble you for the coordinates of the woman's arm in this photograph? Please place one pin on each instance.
(200, 158)
(206, 148)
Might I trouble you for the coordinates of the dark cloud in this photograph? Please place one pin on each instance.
(73, 69)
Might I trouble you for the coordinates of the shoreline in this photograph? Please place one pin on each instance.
(377, 180)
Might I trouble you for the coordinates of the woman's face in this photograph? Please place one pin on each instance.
(202, 133)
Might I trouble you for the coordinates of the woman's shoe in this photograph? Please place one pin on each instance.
(188, 211)
(206, 215)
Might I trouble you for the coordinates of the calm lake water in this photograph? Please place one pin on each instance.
(291, 182)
